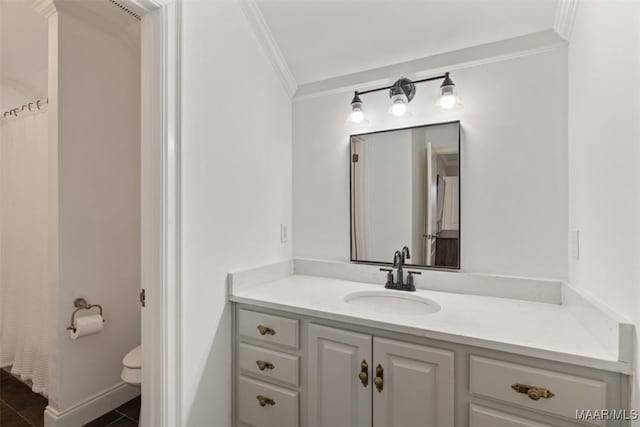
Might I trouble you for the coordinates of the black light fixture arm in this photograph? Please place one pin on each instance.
(428, 79)
(401, 93)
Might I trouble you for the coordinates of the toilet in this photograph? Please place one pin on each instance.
(132, 367)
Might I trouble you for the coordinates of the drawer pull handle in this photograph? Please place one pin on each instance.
(364, 373)
(379, 379)
(265, 330)
(264, 400)
(534, 393)
(262, 365)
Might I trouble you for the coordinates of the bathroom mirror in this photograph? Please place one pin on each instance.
(405, 191)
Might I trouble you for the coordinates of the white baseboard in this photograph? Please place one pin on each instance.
(91, 408)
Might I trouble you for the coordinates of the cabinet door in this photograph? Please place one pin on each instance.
(336, 395)
(417, 385)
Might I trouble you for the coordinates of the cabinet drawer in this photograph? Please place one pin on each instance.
(268, 328)
(275, 365)
(485, 417)
(281, 411)
(494, 379)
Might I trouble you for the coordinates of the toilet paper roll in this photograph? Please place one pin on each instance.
(87, 325)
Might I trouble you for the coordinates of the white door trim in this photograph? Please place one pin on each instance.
(160, 181)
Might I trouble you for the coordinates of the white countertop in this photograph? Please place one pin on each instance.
(535, 329)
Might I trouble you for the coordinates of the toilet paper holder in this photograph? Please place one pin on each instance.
(81, 304)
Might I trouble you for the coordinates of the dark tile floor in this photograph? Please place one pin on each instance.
(126, 415)
(19, 406)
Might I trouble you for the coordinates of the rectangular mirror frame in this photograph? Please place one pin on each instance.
(413, 266)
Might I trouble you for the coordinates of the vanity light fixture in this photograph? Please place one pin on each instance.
(357, 115)
(398, 102)
(448, 98)
(401, 94)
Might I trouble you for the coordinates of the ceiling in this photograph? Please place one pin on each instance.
(321, 39)
(24, 45)
(23, 49)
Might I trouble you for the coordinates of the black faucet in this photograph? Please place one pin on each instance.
(399, 259)
(398, 262)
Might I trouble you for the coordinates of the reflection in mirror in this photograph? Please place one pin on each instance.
(405, 191)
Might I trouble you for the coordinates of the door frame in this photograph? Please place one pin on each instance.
(160, 209)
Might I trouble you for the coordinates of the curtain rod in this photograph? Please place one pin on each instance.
(38, 104)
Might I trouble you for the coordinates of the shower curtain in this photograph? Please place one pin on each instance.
(24, 293)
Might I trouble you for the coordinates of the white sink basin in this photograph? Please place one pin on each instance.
(400, 303)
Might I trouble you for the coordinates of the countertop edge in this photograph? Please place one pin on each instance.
(572, 359)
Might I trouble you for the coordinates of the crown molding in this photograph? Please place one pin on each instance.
(564, 18)
(262, 31)
(504, 50)
(142, 7)
(45, 8)
(27, 90)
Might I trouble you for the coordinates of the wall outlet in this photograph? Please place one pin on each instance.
(284, 233)
(575, 244)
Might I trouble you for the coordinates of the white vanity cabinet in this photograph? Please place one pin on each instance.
(485, 417)
(266, 358)
(417, 387)
(301, 371)
(354, 376)
(340, 377)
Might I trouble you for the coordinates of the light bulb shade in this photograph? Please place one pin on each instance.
(401, 98)
(447, 81)
(357, 115)
(448, 101)
(399, 109)
(446, 90)
(356, 99)
(401, 93)
(399, 104)
(448, 98)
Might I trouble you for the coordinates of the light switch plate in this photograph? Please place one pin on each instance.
(284, 233)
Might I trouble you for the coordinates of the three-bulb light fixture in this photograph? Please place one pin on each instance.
(401, 94)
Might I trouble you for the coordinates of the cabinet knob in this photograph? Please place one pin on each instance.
(534, 393)
(264, 400)
(364, 373)
(262, 365)
(379, 379)
(265, 330)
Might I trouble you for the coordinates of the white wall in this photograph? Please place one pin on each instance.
(604, 155)
(23, 54)
(95, 143)
(513, 157)
(236, 189)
